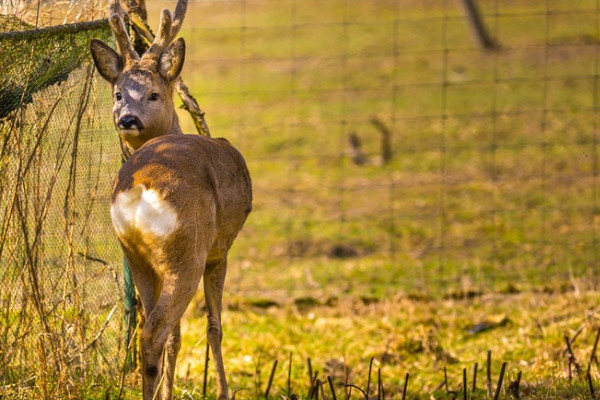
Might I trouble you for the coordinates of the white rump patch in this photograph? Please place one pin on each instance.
(143, 210)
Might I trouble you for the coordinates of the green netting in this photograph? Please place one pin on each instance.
(36, 58)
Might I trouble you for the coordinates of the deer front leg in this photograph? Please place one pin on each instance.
(148, 286)
(214, 279)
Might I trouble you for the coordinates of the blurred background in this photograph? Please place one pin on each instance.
(390, 144)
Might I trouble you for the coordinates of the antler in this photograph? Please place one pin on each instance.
(117, 24)
(168, 29)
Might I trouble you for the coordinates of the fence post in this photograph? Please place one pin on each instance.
(130, 317)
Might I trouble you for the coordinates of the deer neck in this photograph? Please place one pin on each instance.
(175, 127)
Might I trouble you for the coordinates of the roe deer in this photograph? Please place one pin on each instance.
(178, 202)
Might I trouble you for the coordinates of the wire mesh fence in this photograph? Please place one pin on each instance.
(384, 140)
(386, 146)
(490, 185)
(61, 316)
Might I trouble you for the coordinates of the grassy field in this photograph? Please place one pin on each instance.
(489, 148)
(479, 234)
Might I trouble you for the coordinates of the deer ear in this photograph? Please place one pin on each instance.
(108, 62)
(171, 60)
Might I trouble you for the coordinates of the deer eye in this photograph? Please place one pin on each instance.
(154, 97)
(118, 96)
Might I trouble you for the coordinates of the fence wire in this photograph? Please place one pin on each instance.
(385, 142)
(61, 320)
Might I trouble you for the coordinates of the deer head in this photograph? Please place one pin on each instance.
(142, 86)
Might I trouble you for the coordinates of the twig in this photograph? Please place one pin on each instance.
(310, 371)
(313, 385)
(346, 386)
(591, 385)
(270, 380)
(236, 391)
(331, 387)
(474, 387)
(289, 377)
(513, 387)
(497, 395)
(577, 333)
(90, 258)
(359, 389)
(405, 386)
(464, 383)
(380, 393)
(569, 367)
(593, 355)
(157, 389)
(572, 355)
(316, 389)
(191, 105)
(369, 377)
(446, 379)
(99, 334)
(489, 373)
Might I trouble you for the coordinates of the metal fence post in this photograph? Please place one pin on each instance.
(130, 317)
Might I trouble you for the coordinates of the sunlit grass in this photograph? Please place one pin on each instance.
(402, 335)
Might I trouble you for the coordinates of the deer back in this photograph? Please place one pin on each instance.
(179, 190)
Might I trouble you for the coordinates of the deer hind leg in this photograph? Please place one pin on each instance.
(148, 286)
(214, 279)
(162, 323)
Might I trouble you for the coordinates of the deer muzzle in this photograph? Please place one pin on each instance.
(130, 122)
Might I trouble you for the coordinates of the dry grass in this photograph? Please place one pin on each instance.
(422, 337)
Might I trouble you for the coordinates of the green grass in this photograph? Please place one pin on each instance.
(487, 152)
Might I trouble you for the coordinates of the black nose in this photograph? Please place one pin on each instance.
(130, 122)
